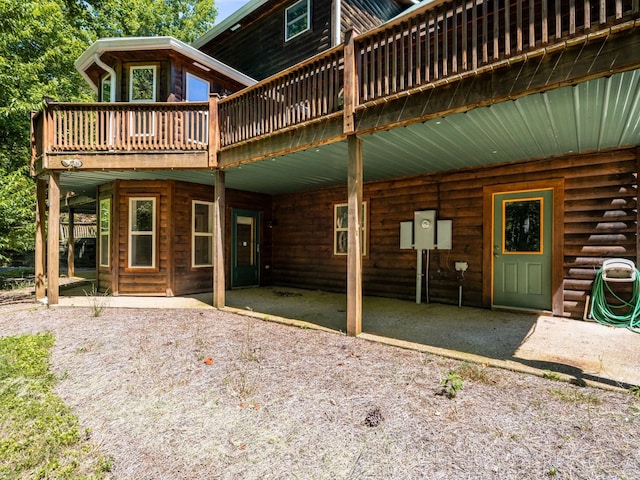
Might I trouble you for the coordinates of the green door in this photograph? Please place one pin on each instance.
(522, 243)
(245, 248)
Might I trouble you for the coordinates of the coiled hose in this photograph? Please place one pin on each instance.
(625, 314)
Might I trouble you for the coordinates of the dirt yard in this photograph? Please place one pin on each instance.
(205, 394)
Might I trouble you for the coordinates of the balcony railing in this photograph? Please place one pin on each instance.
(128, 127)
(436, 43)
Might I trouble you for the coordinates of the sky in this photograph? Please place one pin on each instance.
(227, 7)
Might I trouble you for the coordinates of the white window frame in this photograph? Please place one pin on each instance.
(132, 118)
(105, 232)
(341, 228)
(106, 80)
(195, 234)
(132, 233)
(287, 22)
(133, 68)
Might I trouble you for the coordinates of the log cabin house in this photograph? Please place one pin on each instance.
(370, 147)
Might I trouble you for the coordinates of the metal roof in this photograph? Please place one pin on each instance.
(590, 116)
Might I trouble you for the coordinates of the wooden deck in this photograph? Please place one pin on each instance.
(491, 50)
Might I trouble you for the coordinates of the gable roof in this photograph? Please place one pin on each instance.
(84, 62)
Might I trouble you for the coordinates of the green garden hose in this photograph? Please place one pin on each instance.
(625, 314)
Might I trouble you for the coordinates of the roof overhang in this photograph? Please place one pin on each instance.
(128, 44)
(233, 19)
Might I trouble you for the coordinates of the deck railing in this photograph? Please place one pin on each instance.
(450, 37)
(305, 92)
(435, 43)
(96, 127)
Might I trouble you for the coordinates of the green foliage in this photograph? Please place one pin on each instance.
(39, 436)
(451, 385)
(635, 391)
(17, 220)
(183, 19)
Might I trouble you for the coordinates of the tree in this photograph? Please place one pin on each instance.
(39, 42)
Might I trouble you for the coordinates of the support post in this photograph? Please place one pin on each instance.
(71, 241)
(218, 240)
(40, 250)
(214, 130)
(350, 83)
(354, 248)
(53, 239)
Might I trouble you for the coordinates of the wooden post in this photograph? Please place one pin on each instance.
(53, 239)
(214, 130)
(350, 83)
(218, 240)
(354, 248)
(71, 241)
(41, 251)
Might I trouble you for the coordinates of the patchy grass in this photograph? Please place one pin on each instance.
(39, 436)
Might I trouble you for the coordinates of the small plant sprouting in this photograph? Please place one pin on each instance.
(635, 391)
(450, 385)
(552, 375)
(99, 300)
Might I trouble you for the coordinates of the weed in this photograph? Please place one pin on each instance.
(478, 373)
(99, 300)
(450, 385)
(576, 396)
(548, 374)
(635, 391)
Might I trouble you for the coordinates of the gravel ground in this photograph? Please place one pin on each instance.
(205, 394)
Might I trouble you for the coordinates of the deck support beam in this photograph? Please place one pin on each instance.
(41, 232)
(53, 239)
(71, 241)
(218, 240)
(354, 248)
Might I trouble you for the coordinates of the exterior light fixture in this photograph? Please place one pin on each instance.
(71, 163)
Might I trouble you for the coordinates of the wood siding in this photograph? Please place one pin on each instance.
(174, 273)
(599, 222)
(258, 47)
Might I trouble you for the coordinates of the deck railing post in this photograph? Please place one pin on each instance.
(214, 130)
(350, 82)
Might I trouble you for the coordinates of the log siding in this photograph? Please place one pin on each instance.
(599, 221)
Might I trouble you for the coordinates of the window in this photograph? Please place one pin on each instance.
(105, 232)
(197, 89)
(341, 229)
(523, 220)
(105, 88)
(142, 84)
(195, 122)
(296, 19)
(142, 232)
(202, 234)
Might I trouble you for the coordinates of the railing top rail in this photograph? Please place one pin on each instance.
(283, 73)
(126, 105)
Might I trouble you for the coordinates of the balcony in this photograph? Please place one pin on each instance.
(496, 50)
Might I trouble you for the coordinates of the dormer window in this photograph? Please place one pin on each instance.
(297, 19)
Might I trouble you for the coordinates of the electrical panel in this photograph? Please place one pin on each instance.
(443, 233)
(406, 235)
(424, 231)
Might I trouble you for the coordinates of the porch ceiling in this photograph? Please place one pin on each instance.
(593, 115)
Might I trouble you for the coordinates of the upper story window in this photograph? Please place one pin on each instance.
(197, 89)
(297, 19)
(105, 88)
(142, 83)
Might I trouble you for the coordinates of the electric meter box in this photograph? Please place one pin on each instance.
(424, 230)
